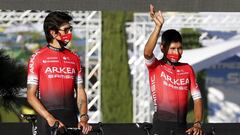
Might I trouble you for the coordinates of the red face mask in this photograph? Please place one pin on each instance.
(174, 58)
(66, 38)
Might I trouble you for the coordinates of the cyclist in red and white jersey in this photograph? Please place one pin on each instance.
(171, 82)
(54, 85)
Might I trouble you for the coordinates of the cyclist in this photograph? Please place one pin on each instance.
(170, 82)
(54, 85)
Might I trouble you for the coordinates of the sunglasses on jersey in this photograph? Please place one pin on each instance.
(66, 30)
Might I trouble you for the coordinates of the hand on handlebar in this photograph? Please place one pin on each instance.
(85, 127)
(194, 131)
(51, 122)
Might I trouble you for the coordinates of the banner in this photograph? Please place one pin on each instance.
(223, 85)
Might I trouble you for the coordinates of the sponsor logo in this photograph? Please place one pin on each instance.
(60, 76)
(50, 61)
(66, 58)
(31, 63)
(60, 70)
(153, 89)
(174, 81)
(52, 58)
(69, 62)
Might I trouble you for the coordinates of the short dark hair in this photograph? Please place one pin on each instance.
(53, 21)
(170, 36)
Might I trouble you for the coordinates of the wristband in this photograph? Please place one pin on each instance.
(197, 122)
(84, 116)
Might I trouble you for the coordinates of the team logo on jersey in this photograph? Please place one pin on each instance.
(50, 61)
(66, 58)
(60, 70)
(175, 81)
(153, 89)
(31, 63)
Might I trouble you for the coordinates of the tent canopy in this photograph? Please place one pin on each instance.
(204, 57)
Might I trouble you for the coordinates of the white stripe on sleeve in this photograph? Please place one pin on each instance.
(150, 61)
(79, 79)
(196, 95)
(32, 79)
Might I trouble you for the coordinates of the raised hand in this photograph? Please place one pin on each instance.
(156, 16)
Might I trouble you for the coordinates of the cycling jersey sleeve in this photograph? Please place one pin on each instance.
(33, 70)
(79, 79)
(151, 63)
(195, 91)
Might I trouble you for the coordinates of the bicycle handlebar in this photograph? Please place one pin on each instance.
(29, 117)
(147, 127)
(72, 130)
(98, 129)
(54, 128)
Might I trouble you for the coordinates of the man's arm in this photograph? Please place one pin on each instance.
(82, 107)
(81, 100)
(196, 129)
(198, 110)
(152, 41)
(38, 106)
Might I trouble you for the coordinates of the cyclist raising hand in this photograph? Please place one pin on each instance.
(171, 82)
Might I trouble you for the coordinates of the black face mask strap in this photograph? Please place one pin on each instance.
(62, 44)
(55, 49)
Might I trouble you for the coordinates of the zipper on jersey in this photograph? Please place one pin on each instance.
(175, 77)
(62, 78)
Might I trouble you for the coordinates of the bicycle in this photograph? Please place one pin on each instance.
(31, 119)
(97, 128)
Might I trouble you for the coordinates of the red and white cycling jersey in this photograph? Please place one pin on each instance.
(170, 85)
(56, 72)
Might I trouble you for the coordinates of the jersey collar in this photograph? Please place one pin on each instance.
(55, 49)
(165, 60)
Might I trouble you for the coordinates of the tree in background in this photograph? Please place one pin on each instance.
(190, 38)
(116, 92)
(12, 79)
